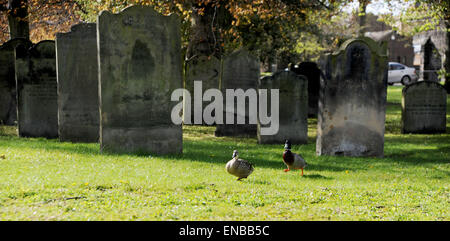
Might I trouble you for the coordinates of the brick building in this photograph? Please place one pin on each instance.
(400, 48)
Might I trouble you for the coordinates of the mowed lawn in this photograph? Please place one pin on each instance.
(47, 180)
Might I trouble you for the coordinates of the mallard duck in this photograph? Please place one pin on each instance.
(292, 160)
(239, 167)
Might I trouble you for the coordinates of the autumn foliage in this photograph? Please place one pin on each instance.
(46, 18)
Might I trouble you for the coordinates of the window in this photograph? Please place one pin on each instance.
(396, 67)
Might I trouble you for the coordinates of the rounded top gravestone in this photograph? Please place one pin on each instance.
(140, 66)
(78, 114)
(240, 70)
(37, 90)
(292, 108)
(352, 102)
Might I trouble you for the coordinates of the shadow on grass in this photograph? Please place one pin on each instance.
(219, 151)
(316, 176)
(419, 155)
(49, 144)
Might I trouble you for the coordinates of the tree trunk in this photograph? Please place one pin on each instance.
(203, 39)
(18, 19)
(362, 16)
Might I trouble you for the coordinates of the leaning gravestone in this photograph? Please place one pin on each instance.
(36, 90)
(240, 70)
(312, 73)
(140, 67)
(293, 108)
(8, 99)
(207, 70)
(352, 102)
(424, 106)
(78, 114)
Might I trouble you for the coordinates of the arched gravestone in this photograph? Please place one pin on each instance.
(352, 102)
(312, 73)
(36, 90)
(140, 67)
(8, 99)
(424, 107)
(78, 110)
(240, 70)
(293, 108)
(207, 70)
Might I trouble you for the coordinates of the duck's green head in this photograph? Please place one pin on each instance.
(287, 145)
(235, 154)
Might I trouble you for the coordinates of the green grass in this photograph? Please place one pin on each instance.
(47, 180)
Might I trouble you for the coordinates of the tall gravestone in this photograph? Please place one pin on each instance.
(424, 107)
(312, 72)
(140, 67)
(36, 90)
(8, 104)
(207, 70)
(240, 70)
(293, 108)
(78, 110)
(431, 62)
(352, 102)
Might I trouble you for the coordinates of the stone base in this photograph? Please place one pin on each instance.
(236, 130)
(157, 140)
(285, 133)
(78, 133)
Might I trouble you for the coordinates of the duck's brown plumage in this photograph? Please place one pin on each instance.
(239, 167)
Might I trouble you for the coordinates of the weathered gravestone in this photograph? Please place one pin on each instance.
(140, 67)
(207, 70)
(8, 99)
(312, 73)
(424, 106)
(352, 102)
(78, 110)
(293, 108)
(431, 62)
(240, 70)
(36, 90)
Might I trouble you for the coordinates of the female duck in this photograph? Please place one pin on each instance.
(239, 167)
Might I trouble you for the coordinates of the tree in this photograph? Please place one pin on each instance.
(215, 27)
(18, 19)
(37, 19)
(422, 16)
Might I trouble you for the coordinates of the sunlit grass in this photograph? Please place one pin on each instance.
(47, 180)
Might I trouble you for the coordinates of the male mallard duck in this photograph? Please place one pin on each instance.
(239, 167)
(292, 160)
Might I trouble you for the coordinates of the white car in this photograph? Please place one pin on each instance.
(399, 73)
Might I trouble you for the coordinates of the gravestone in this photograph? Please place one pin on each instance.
(293, 108)
(352, 102)
(8, 99)
(140, 67)
(36, 90)
(78, 110)
(240, 70)
(432, 62)
(312, 72)
(424, 106)
(205, 69)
